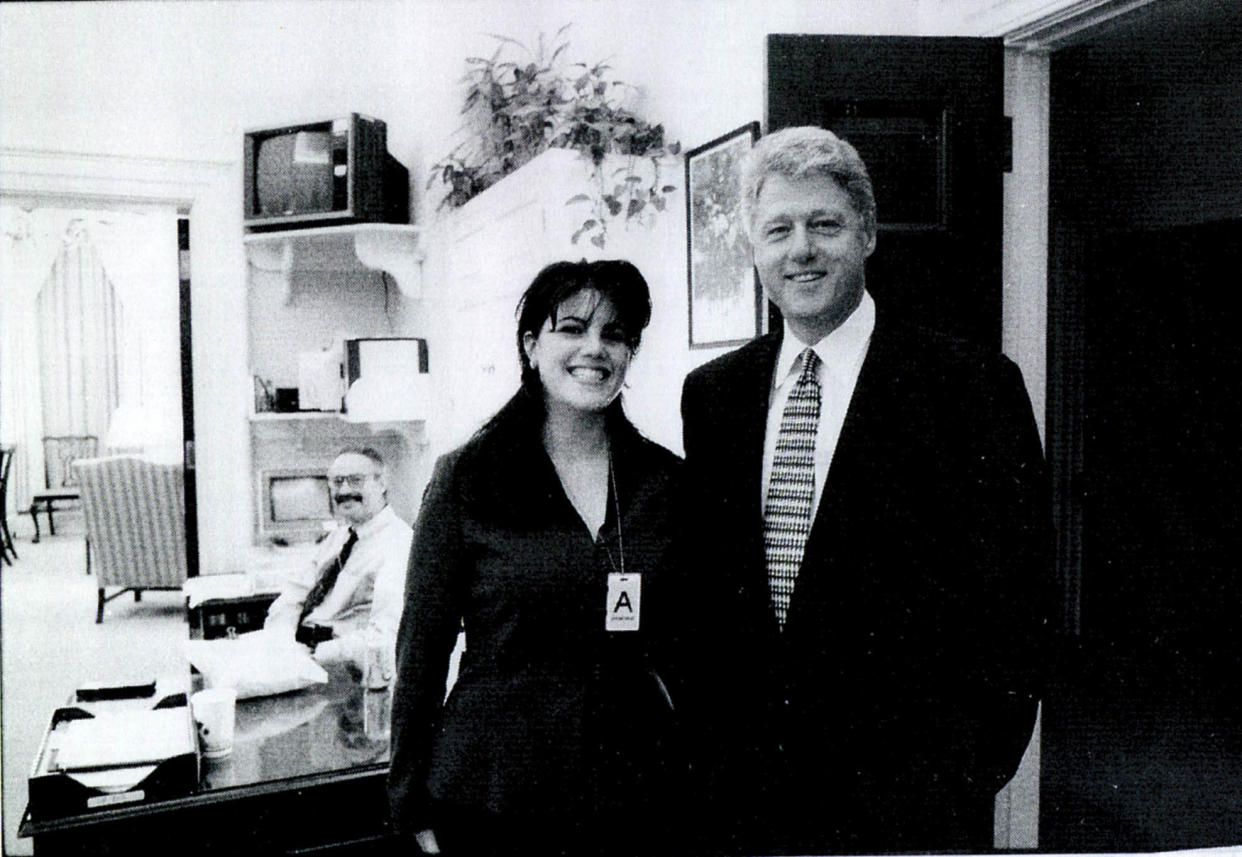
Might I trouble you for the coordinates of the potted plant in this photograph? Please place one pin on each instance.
(516, 109)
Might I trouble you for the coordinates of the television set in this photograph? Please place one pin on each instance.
(323, 173)
(294, 503)
(387, 356)
(386, 379)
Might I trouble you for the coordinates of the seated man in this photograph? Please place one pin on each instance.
(350, 595)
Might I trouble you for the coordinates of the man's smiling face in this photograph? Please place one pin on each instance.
(810, 247)
(357, 487)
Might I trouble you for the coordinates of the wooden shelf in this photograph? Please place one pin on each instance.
(389, 247)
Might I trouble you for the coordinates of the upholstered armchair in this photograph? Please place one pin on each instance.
(135, 524)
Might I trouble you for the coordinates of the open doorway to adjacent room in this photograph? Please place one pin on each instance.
(94, 305)
(1142, 736)
(96, 301)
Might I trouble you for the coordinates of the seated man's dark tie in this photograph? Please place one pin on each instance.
(327, 579)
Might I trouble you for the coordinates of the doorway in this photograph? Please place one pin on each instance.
(92, 349)
(1142, 743)
(203, 190)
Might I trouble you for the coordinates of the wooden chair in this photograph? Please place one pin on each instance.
(135, 524)
(6, 538)
(59, 453)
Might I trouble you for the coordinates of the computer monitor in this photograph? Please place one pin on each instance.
(294, 503)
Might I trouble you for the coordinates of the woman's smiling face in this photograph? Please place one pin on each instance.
(580, 353)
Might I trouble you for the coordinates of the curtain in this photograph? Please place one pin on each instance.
(109, 327)
(139, 252)
(30, 247)
(80, 321)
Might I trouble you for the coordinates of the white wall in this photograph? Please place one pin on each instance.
(180, 79)
(1024, 264)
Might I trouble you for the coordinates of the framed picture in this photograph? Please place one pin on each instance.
(725, 299)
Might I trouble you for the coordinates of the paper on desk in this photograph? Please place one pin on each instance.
(112, 780)
(128, 739)
(261, 663)
(208, 586)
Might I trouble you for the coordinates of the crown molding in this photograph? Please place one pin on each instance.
(1069, 24)
(83, 176)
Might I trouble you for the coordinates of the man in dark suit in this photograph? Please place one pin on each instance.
(873, 503)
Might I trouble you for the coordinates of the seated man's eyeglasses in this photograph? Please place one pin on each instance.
(354, 480)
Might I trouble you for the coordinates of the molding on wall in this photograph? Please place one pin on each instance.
(1068, 24)
(86, 176)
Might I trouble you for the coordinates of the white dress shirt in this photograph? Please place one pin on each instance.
(364, 605)
(841, 355)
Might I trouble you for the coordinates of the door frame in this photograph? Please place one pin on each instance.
(1032, 43)
(204, 189)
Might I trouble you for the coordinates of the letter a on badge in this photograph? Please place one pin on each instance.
(623, 608)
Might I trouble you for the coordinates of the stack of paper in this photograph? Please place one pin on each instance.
(208, 586)
(122, 739)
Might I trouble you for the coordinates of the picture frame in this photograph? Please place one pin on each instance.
(725, 300)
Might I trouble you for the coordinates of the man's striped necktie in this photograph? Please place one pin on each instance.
(328, 576)
(791, 487)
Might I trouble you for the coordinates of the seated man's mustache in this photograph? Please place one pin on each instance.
(341, 498)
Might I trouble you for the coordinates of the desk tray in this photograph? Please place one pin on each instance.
(56, 793)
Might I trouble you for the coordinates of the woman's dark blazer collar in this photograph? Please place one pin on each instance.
(504, 473)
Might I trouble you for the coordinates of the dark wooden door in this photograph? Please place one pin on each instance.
(187, 400)
(927, 116)
(1164, 466)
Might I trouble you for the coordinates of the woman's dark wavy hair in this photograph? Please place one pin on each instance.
(615, 279)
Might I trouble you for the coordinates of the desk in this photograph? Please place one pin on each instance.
(306, 775)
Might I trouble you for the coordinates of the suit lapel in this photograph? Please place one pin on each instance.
(746, 395)
(754, 392)
(868, 410)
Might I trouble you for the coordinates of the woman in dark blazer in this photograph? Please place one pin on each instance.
(548, 538)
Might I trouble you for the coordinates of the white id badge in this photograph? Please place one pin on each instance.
(622, 611)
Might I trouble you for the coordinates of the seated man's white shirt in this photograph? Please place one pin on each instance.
(364, 605)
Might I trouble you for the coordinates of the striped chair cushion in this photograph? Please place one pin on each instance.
(135, 520)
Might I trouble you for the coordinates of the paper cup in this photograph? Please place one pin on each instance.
(215, 713)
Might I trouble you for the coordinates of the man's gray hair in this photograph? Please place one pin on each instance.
(365, 451)
(797, 153)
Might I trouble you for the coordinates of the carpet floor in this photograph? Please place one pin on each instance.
(50, 644)
(1142, 752)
